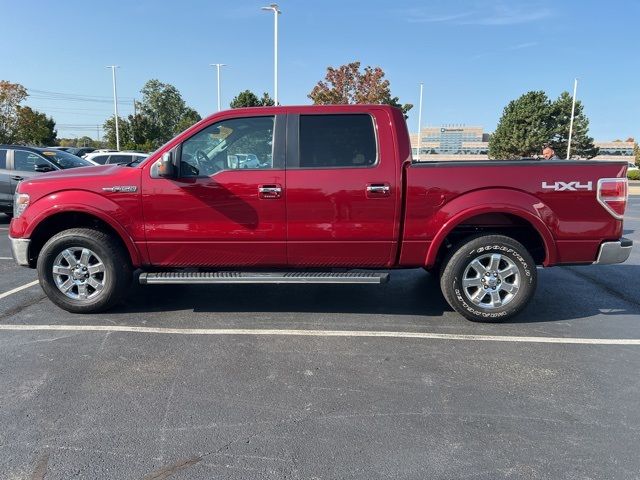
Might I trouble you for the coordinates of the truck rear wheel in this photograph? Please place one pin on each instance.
(84, 270)
(488, 278)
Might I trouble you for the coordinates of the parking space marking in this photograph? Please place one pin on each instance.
(6, 258)
(18, 289)
(319, 333)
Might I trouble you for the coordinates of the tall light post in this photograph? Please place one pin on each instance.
(573, 111)
(218, 65)
(115, 103)
(420, 121)
(274, 8)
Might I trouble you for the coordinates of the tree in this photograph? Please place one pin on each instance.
(560, 118)
(249, 99)
(124, 131)
(34, 128)
(160, 116)
(533, 121)
(348, 85)
(165, 110)
(523, 128)
(11, 95)
(636, 152)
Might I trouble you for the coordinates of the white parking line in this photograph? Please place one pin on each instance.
(18, 289)
(319, 333)
(6, 258)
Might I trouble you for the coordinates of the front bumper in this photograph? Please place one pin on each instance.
(20, 250)
(614, 252)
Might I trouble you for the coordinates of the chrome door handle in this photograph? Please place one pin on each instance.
(269, 191)
(379, 189)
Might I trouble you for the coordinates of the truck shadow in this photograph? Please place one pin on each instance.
(563, 294)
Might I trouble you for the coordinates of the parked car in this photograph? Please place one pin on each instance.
(102, 158)
(18, 162)
(632, 166)
(333, 198)
(80, 151)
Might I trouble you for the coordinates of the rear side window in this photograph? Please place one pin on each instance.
(329, 141)
(3, 159)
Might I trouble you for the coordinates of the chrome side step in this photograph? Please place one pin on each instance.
(262, 277)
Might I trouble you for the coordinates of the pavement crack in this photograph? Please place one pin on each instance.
(169, 470)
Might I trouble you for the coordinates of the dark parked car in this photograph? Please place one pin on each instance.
(80, 151)
(18, 162)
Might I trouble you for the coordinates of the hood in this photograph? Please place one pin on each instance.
(79, 172)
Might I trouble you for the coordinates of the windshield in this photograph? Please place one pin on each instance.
(65, 160)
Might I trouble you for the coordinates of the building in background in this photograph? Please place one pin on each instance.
(461, 142)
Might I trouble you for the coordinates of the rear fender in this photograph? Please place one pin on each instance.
(495, 200)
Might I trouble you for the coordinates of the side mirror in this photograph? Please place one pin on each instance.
(42, 168)
(166, 168)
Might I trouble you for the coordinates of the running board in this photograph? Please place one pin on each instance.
(262, 277)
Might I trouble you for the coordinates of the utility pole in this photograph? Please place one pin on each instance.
(420, 121)
(274, 8)
(573, 111)
(98, 131)
(218, 65)
(115, 103)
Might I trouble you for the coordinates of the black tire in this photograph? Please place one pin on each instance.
(513, 256)
(117, 268)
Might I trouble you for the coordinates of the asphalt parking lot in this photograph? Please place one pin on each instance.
(174, 384)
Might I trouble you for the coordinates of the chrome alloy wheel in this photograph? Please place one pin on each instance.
(491, 281)
(79, 273)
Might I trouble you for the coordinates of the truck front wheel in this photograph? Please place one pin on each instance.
(84, 270)
(488, 278)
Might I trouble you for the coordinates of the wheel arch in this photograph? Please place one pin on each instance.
(77, 218)
(519, 220)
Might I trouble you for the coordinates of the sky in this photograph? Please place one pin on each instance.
(473, 56)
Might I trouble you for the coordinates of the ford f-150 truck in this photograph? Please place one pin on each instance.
(315, 194)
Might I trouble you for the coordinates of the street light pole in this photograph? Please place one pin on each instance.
(573, 111)
(274, 8)
(115, 103)
(420, 121)
(218, 65)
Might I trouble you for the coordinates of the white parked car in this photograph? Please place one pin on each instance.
(632, 166)
(104, 158)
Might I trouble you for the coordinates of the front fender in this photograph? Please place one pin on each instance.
(114, 214)
(494, 200)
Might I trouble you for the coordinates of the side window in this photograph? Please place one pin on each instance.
(3, 159)
(119, 158)
(329, 141)
(237, 143)
(26, 161)
(101, 159)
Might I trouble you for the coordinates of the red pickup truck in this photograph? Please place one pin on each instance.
(315, 195)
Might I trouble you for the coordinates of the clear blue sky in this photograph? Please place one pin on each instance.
(472, 55)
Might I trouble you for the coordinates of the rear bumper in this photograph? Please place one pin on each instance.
(20, 250)
(614, 252)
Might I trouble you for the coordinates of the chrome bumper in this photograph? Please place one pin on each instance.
(20, 250)
(614, 252)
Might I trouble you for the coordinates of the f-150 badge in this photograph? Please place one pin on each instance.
(121, 188)
(567, 186)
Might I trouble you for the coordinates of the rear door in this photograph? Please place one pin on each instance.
(342, 190)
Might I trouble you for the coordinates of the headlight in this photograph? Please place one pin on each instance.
(20, 204)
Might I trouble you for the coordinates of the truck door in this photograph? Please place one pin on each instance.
(221, 210)
(342, 190)
(24, 164)
(6, 194)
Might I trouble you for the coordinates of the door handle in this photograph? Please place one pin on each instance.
(17, 178)
(270, 191)
(378, 190)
